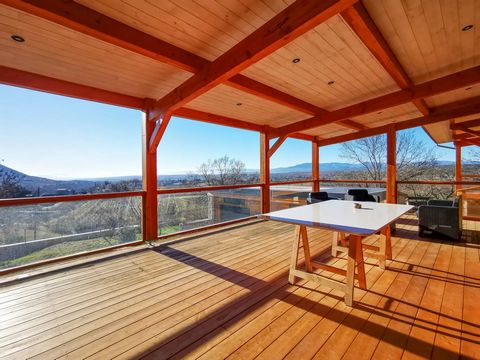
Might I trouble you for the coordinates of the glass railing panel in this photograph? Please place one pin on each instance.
(289, 195)
(190, 210)
(31, 233)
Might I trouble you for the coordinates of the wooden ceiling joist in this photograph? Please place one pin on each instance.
(216, 119)
(27, 80)
(294, 21)
(193, 114)
(360, 21)
(276, 146)
(430, 88)
(92, 23)
(461, 135)
(436, 114)
(467, 130)
(254, 87)
(31, 81)
(469, 142)
(467, 124)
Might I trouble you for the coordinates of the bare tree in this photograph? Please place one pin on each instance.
(222, 171)
(414, 157)
(10, 185)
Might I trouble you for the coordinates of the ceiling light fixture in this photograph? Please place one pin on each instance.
(18, 38)
(467, 27)
(296, 60)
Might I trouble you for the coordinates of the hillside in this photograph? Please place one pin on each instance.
(39, 185)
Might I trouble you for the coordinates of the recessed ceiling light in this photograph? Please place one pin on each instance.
(467, 27)
(296, 60)
(17, 38)
(239, 104)
(331, 82)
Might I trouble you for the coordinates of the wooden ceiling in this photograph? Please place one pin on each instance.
(358, 53)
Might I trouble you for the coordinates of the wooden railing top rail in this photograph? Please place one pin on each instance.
(66, 198)
(428, 182)
(81, 197)
(349, 181)
(292, 182)
(469, 189)
(165, 191)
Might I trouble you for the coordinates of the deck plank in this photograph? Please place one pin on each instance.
(225, 294)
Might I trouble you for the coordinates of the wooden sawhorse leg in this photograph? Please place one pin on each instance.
(300, 235)
(355, 261)
(338, 236)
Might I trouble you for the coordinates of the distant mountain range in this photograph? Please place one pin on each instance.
(44, 185)
(40, 185)
(307, 167)
(337, 166)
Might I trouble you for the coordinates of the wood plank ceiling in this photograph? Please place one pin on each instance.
(335, 68)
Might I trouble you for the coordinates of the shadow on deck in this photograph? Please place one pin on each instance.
(226, 294)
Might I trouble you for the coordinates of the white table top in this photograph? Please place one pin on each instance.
(340, 215)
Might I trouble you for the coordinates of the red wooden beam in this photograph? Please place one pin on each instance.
(436, 115)
(360, 21)
(50, 85)
(254, 87)
(462, 136)
(217, 119)
(193, 114)
(92, 23)
(276, 146)
(295, 20)
(469, 142)
(158, 132)
(352, 124)
(467, 124)
(467, 130)
(430, 88)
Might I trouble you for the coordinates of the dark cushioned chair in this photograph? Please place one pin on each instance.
(440, 218)
(360, 195)
(319, 196)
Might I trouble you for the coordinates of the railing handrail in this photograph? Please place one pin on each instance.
(353, 181)
(432, 182)
(113, 195)
(67, 198)
(292, 182)
(165, 191)
(418, 182)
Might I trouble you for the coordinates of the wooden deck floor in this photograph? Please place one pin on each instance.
(225, 295)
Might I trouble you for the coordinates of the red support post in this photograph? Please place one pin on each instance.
(458, 166)
(149, 180)
(265, 171)
(392, 165)
(315, 166)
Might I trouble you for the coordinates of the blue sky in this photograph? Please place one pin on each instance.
(59, 137)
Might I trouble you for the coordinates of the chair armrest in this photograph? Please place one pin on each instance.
(440, 202)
